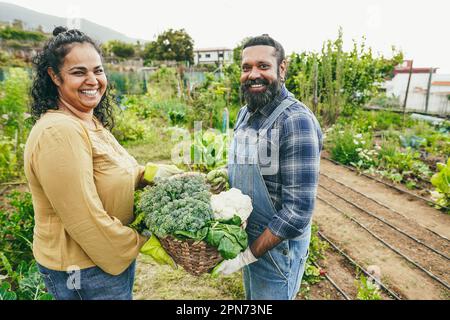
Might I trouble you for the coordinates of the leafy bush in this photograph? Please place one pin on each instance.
(16, 228)
(20, 278)
(349, 147)
(317, 250)
(145, 107)
(367, 289)
(9, 33)
(441, 181)
(8, 160)
(404, 166)
(126, 82)
(164, 84)
(209, 101)
(177, 117)
(346, 80)
(14, 125)
(128, 127)
(377, 120)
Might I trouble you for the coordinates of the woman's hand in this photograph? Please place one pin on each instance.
(154, 171)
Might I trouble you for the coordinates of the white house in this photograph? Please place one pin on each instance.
(213, 55)
(439, 95)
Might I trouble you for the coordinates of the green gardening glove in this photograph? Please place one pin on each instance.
(218, 180)
(154, 249)
(155, 171)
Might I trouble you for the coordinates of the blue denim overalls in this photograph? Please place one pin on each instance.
(277, 274)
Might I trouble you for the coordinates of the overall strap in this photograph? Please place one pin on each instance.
(286, 103)
(243, 116)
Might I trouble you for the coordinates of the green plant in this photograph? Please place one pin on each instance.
(8, 160)
(20, 276)
(205, 151)
(14, 126)
(403, 166)
(367, 289)
(229, 239)
(177, 117)
(120, 49)
(9, 33)
(208, 103)
(317, 250)
(176, 45)
(128, 127)
(351, 148)
(16, 229)
(334, 81)
(441, 181)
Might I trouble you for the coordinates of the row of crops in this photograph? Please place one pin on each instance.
(400, 149)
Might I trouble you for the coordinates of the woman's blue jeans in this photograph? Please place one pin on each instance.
(89, 284)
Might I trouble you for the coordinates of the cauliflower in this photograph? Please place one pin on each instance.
(229, 203)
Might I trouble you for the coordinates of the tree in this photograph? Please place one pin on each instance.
(175, 45)
(17, 24)
(341, 80)
(119, 49)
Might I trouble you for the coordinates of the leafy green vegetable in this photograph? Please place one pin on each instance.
(6, 293)
(199, 235)
(441, 181)
(229, 239)
(236, 220)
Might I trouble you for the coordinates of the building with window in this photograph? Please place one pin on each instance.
(429, 91)
(218, 56)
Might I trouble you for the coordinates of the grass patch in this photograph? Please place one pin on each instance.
(160, 282)
(156, 147)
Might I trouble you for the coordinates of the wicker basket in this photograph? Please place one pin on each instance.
(196, 257)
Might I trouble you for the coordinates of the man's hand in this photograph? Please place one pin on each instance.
(229, 266)
(218, 180)
(266, 241)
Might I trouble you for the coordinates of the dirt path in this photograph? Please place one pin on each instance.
(413, 208)
(338, 203)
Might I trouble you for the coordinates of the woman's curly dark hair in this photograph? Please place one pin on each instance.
(44, 92)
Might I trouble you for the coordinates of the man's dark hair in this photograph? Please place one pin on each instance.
(265, 40)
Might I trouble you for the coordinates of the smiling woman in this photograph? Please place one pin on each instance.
(81, 82)
(57, 64)
(81, 180)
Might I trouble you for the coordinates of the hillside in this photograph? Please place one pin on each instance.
(32, 19)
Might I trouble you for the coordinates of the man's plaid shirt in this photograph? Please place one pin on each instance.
(293, 188)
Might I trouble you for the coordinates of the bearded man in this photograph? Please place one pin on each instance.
(274, 159)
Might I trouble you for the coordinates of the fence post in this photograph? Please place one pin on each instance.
(428, 90)
(407, 90)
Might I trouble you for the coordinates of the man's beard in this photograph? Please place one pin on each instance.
(257, 100)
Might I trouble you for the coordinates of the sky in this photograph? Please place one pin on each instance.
(419, 28)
